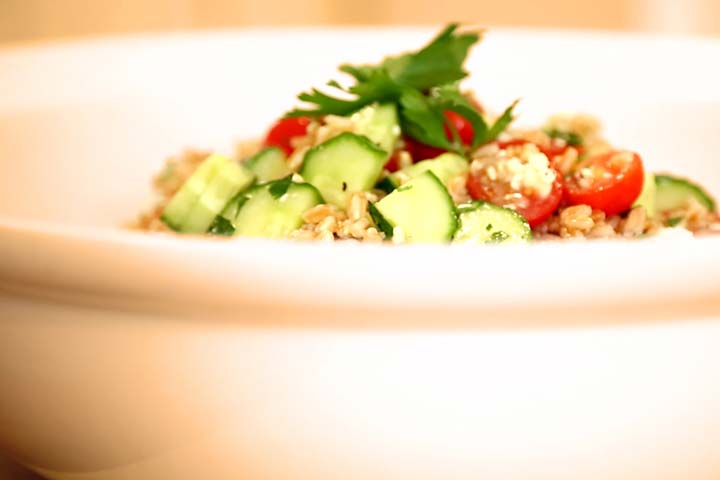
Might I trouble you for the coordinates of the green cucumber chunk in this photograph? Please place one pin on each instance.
(379, 122)
(675, 192)
(422, 208)
(265, 212)
(204, 195)
(343, 165)
(189, 193)
(483, 222)
(647, 195)
(446, 167)
(268, 164)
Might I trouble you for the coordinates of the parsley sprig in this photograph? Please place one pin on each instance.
(423, 85)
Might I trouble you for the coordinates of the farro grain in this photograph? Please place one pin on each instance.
(576, 220)
(634, 224)
(319, 212)
(358, 206)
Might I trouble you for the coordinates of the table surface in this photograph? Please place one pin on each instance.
(9, 470)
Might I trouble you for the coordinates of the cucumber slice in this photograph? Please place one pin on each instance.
(674, 192)
(647, 195)
(483, 222)
(268, 164)
(379, 122)
(422, 208)
(446, 167)
(343, 165)
(189, 193)
(269, 213)
(194, 207)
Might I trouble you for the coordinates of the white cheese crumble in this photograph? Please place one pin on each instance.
(528, 169)
(523, 169)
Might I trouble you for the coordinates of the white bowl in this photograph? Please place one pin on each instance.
(124, 355)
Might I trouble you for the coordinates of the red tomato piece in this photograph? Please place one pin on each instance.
(419, 151)
(393, 164)
(528, 203)
(534, 208)
(464, 128)
(284, 130)
(610, 182)
(551, 151)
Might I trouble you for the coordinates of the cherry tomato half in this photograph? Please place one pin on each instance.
(551, 151)
(535, 208)
(284, 130)
(610, 182)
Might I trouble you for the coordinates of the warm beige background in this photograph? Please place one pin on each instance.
(22, 20)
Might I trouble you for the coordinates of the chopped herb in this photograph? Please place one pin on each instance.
(234, 205)
(386, 185)
(674, 221)
(423, 84)
(499, 237)
(380, 222)
(489, 227)
(501, 123)
(278, 188)
(222, 226)
(571, 138)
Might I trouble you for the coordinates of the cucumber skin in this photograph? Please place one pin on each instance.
(257, 164)
(246, 198)
(309, 174)
(386, 224)
(189, 194)
(380, 222)
(445, 166)
(648, 195)
(380, 124)
(193, 200)
(665, 181)
(512, 215)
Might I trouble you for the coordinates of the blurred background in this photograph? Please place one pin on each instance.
(28, 20)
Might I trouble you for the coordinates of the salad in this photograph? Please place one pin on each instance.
(404, 155)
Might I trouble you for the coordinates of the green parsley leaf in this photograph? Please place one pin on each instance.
(498, 237)
(440, 62)
(674, 221)
(222, 226)
(449, 97)
(423, 84)
(361, 73)
(422, 120)
(437, 63)
(501, 123)
(278, 188)
(571, 138)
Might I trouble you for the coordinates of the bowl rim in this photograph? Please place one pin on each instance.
(36, 271)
